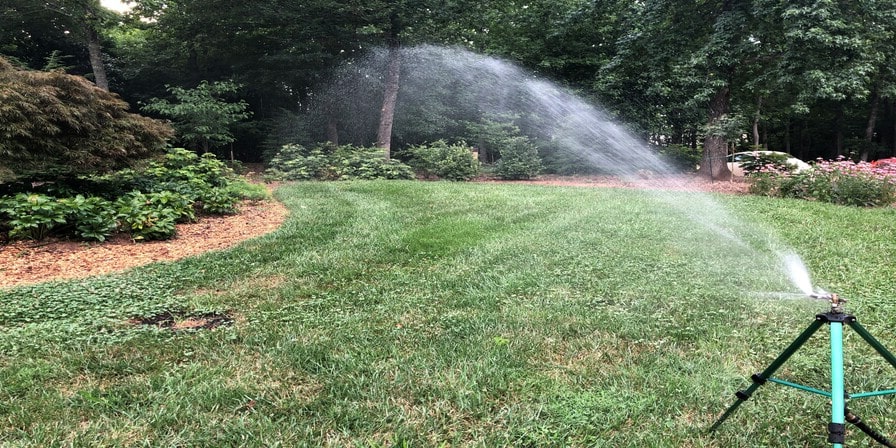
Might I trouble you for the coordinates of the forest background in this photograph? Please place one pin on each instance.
(814, 78)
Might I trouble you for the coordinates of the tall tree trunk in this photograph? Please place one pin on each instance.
(95, 51)
(869, 128)
(838, 128)
(330, 112)
(387, 113)
(756, 122)
(893, 115)
(787, 136)
(333, 130)
(715, 150)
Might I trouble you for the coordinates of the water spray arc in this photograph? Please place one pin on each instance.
(835, 318)
(484, 87)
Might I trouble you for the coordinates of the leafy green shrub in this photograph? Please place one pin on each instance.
(492, 133)
(329, 162)
(149, 201)
(210, 170)
(439, 159)
(218, 201)
(180, 170)
(181, 205)
(369, 164)
(93, 218)
(519, 159)
(32, 215)
(150, 216)
(295, 162)
(177, 158)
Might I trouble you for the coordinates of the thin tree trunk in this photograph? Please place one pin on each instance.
(332, 131)
(715, 149)
(869, 129)
(756, 122)
(95, 51)
(838, 127)
(804, 132)
(332, 128)
(787, 137)
(387, 113)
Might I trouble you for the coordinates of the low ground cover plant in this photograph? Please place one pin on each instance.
(145, 202)
(841, 181)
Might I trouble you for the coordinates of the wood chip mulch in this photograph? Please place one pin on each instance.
(28, 262)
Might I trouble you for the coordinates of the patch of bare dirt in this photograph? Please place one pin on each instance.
(180, 322)
(28, 262)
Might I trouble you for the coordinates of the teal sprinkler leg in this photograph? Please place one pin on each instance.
(836, 430)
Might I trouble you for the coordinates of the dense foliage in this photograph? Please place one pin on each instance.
(331, 162)
(53, 124)
(145, 203)
(443, 161)
(813, 78)
(202, 116)
(519, 159)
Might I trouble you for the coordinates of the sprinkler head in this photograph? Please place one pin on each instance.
(837, 304)
(834, 299)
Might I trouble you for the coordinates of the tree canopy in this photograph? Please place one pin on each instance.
(815, 78)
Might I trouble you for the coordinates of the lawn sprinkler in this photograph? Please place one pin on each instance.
(835, 318)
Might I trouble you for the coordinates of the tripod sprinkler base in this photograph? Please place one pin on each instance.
(835, 317)
(835, 320)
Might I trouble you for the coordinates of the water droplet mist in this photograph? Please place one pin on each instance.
(457, 85)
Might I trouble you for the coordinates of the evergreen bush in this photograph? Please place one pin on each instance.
(55, 126)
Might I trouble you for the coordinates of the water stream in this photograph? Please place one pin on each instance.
(459, 83)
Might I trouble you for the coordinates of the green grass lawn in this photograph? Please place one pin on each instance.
(445, 314)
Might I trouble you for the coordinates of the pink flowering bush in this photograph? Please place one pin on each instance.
(839, 181)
